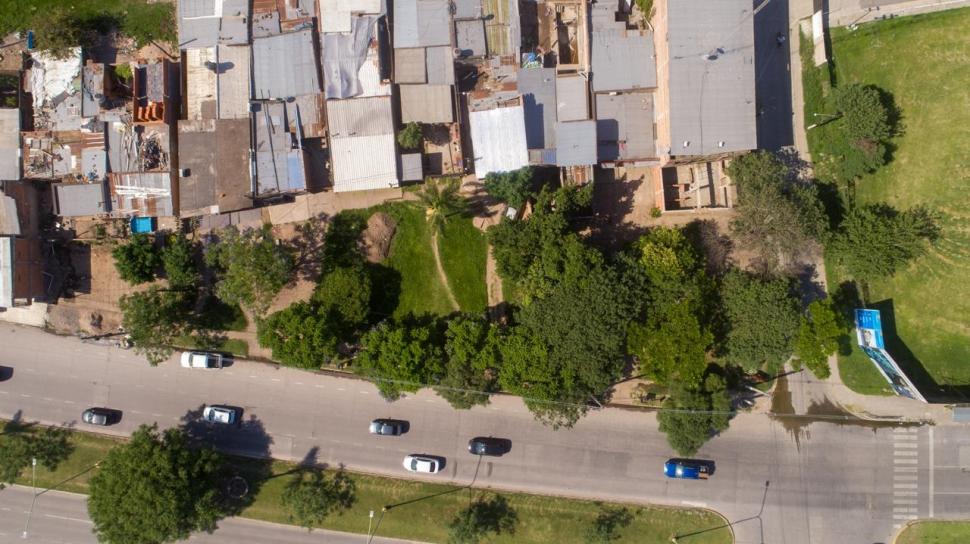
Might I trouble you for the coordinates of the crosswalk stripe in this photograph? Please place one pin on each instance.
(905, 477)
(900, 500)
(905, 453)
(905, 437)
(905, 486)
(904, 510)
(905, 469)
(901, 445)
(904, 493)
(905, 461)
(905, 516)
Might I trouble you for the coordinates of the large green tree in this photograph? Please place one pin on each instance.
(155, 488)
(153, 319)
(671, 345)
(762, 319)
(411, 136)
(875, 241)
(401, 356)
(137, 260)
(865, 117)
(253, 267)
(311, 496)
(774, 216)
(694, 413)
(344, 292)
(441, 200)
(818, 336)
(472, 361)
(20, 443)
(303, 335)
(178, 260)
(471, 525)
(513, 188)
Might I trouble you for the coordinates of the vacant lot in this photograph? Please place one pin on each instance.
(924, 63)
(936, 532)
(139, 19)
(541, 518)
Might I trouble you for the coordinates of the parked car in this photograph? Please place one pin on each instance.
(489, 445)
(5, 373)
(388, 427)
(98, 416)
(687, 469)
(427, 464)
(225, 415)
(201, 359)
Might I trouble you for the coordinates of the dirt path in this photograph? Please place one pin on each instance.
(493, 287)
(441, 271)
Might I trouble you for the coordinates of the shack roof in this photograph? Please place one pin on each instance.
(470, 38)
(624, 126)
(538, 88)
(335, 15)
(622, 60)
(79, 199)
(9, 218)
(468, 9)
(205, 23)
(9, 144)
(409, 65)
(498, 139)
(426, 103)
(141, 193)
(440, 65)
(712, 95)
(352, 62)
(284, 66)
(362, 143)
(279, 162)
(422, 23)
(214, 155)
(572, 98)
(576, 143)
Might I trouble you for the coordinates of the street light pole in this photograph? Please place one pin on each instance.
(33, 485)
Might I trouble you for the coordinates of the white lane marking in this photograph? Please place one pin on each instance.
(158, 415)
(4, 392)
(905, 477)
(365, 392)
(900, 445)
(341, 389)
(24, 395)
(67, 518)
(903, 510)
(318, 386)
(905, 469)
(905, 493)
(932, 476)
(298, 383)
(904, 516)
(904, 486)
(896, 525)
(276, 379)
(5, 509)
(905, 437)
(69, 402)
(694, 504)
(905, 461)
(906, 453)
(900, 500)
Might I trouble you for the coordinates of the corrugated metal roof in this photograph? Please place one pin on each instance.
(284, 66)
(354, 117)
(712, 91)
(9, 219)
(440, 64)
(409, 65)
(624, 126)
(623, 60)
(364, 162)
(426, 103)
(9, 144)
(412, 168)
(142, 193)
(351, 62)
(233, 81)
(572, 98)
(498, 138)
(470, 38)
(576, 143)
(279, 164)
(6, 272)
(94, 163)
(538, 88)
(502, 27)
(335, 15)
(205, 23)
(75, 200)
(421, 23)
(468, 9)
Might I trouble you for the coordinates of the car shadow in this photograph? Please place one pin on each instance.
(6, 373)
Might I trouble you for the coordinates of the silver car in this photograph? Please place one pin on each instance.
(426, 464)
(224, 415)
(388, 427)
(201, 359)
(97, 416)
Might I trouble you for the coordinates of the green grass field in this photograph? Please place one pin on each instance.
(924, 62)
(542, 519)
(140, 19)
(935, 532)
(463, 251)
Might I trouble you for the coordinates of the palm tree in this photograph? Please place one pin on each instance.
(441, 200)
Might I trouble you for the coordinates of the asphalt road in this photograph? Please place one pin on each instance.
(62, 518)
(814, 482)
(773, 76)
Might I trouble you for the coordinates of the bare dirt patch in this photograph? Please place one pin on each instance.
(375, 241)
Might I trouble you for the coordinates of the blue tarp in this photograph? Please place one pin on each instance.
(142, 225)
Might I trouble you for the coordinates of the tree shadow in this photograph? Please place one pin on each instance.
(308, 246)
(608, 523)
(493, 515)
(845, 300)
(705, 236)
(386, 293)
(808, 288)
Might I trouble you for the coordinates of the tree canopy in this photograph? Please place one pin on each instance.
(153, 319)
(19, 443)
(155, 488)
(818, 337)
(252, 266)
(866, 118)
(472, 361)
(303, 335)
(310, 497)
(776, 217)
(137, 260)
(874, 241)
(483, 517)
(344, 293)
(608, 524)
(671, 345)
(762, 319)
(410, 137)
(441, 200)
(178, 260)
(400, 356)
(513, 188)
(694, 413)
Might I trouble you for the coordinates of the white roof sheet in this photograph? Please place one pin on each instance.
(9, 144)
(422, 23)
(335, 15)
(576, 143)
(360, 117)
(285, 66)
(9, 219)
(498, 139)
(6, 272)
(364, 162)
(233, 81)
(440, 64)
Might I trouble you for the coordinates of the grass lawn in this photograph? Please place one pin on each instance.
(542, 519)
(140, 19)
(935, 532)
(463, 251)
(924, 62)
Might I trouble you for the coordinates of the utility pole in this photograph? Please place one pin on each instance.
(33, 485)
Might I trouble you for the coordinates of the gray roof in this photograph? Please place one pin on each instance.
(279, 162)
(362, 146)
(572, 98)
(215, 154)
(468, 9)
(284, 66)
(74, 200)
(360, 117)
(426, 104)
(9, 218)
(94, 163)
(470, 38)
(412, 168)
(538, 88)
(576, 143)
(421, 23)
(409, 65)
(712, 96)
(622, 60)
(9, 144)
(344, 55)
(624, 126)
(92, 89)
(440, 65)
(201, 24)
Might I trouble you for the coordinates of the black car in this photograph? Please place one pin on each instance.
(388, 427)
(489, 445)
(99, 416)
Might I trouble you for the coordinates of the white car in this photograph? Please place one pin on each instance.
(423, 463)
(201, 359)
(225, 415)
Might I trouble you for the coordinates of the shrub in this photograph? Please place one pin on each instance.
(410, 136)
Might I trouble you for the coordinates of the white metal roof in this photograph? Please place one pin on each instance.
(9, 144)
(364, 162)
(285, 66)
(498, 139)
